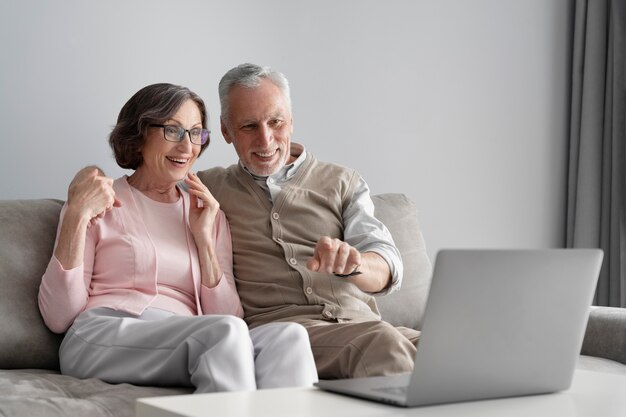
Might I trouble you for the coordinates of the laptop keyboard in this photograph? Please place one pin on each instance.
(393, 390)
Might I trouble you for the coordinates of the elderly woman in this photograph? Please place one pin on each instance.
(141, 275)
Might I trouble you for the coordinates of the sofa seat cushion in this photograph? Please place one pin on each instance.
(35, 393)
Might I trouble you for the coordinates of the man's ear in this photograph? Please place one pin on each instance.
(225, 132)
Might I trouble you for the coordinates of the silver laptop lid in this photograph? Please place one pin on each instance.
(503, 322)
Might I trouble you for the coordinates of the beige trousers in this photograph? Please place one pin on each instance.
(354, 350)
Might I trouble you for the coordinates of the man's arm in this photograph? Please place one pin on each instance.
(367, 246)
(368, 270)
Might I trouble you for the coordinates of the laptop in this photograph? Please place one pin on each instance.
(498, 323)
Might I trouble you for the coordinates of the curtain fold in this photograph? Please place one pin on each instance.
(596, 213)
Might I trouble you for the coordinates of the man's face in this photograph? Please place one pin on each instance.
(259, 125)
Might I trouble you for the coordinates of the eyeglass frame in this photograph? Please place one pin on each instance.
(183, 130)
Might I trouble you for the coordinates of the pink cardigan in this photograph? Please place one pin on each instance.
(119, 269)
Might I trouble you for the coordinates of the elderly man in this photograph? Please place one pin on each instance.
(306, 245)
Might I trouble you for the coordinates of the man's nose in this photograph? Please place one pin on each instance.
(266, 134)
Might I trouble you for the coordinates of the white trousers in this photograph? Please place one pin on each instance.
(211, 353)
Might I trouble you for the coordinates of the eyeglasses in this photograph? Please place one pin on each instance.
(173, 133)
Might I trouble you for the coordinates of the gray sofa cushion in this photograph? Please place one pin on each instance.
(28, 230)
(406, 307)
(605, 336)
(33, 393)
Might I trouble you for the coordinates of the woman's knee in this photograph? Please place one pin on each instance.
(225, 329)
(232, 323)
(289, 333)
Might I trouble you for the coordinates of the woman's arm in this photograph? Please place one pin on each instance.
(223, 298)
(212, 236)
(63, 292)
(202, 211)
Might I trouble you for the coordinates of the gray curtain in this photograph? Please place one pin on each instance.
(596, 213)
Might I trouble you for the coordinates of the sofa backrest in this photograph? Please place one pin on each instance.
(27, 233)
(406, 306)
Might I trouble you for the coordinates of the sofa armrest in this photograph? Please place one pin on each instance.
(605, 336)
(27, 232)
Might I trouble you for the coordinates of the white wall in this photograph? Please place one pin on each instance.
(462, 105)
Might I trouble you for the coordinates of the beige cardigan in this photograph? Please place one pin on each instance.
(272, 242)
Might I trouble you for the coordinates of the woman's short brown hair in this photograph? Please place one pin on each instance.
(153, 104)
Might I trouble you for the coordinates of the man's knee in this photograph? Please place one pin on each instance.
(349, 350)
(388, 334)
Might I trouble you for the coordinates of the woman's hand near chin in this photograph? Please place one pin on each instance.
(202, 210)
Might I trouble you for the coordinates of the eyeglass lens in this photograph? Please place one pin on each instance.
(176, 134)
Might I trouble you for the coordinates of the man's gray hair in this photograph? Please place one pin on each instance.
(249, 76)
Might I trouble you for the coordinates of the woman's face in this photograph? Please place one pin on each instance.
(169, 162)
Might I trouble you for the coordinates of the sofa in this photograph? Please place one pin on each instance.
(30, 382)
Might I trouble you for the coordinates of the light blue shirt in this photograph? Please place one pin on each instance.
(362, 229)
